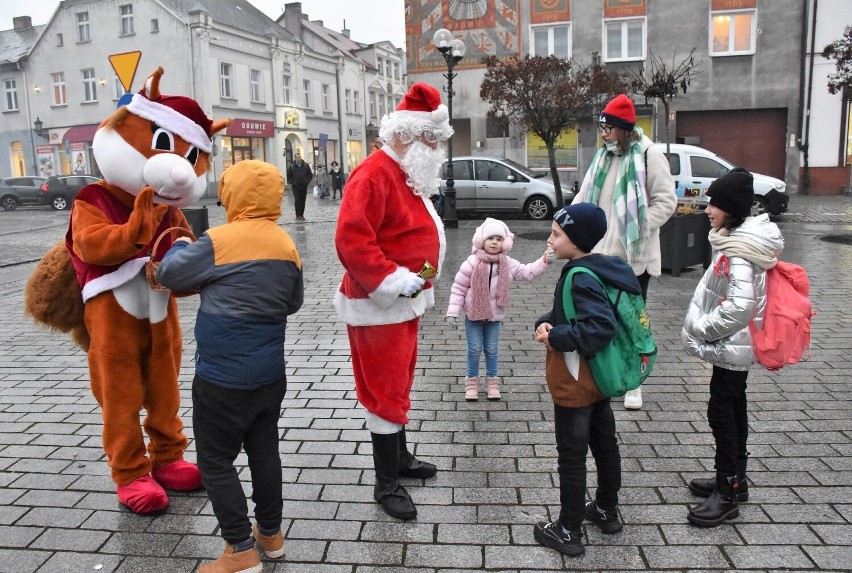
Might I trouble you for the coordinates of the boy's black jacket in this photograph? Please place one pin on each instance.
(596, 323)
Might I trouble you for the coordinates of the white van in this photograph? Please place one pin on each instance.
(694, 169)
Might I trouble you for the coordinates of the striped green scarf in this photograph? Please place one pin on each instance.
(630, 203)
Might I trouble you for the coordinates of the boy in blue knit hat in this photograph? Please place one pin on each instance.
(582, 415)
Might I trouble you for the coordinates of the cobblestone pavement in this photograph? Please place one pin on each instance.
(59, 513)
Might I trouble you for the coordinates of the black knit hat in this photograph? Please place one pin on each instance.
(584, 223)
(733, 192)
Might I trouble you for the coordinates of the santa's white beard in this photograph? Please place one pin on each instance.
(423, 164)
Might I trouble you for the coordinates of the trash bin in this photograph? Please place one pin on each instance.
(684, 242)
(197, 219)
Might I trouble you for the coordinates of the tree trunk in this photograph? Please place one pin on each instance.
(668, 137)
(554, 174)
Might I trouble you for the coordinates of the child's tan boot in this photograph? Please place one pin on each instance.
(471, 389)
(493, 388)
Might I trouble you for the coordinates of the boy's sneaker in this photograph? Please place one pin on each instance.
(552, 535)
(272, 545)
(607, 521)
(247, 561)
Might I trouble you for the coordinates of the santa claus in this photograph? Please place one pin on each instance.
(390, 240)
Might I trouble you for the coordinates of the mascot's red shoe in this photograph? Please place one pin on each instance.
(179, 475)
(143, 496)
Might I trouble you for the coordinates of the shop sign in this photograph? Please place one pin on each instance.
(250, 128)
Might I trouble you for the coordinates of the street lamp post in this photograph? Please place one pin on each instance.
(452, 49)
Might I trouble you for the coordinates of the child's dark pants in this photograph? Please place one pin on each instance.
(727, 414)
(577, 431)
(224, 421)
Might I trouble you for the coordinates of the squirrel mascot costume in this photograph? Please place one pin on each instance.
(154, 154)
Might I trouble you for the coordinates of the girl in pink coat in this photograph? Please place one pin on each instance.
(481, 289)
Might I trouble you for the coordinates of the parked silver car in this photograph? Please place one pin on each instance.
(493, 184)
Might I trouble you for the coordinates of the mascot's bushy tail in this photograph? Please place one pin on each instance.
(53, 298)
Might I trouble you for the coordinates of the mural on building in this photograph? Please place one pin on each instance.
(488, 28)
(547, 11)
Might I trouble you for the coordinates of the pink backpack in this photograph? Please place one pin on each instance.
(786, 332)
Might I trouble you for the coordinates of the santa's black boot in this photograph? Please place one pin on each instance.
(409, 466)
(720, 506)
(394, 499)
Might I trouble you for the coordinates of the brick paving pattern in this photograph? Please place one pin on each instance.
(59, 513)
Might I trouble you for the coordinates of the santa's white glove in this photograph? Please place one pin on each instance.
(412, 284)
(452, 320)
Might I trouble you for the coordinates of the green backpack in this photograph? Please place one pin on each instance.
(629, 357)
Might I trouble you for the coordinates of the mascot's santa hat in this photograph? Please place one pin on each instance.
(178, 114)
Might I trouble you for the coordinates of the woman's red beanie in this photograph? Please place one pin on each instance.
(620, 113)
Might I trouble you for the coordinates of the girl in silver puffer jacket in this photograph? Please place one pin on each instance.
(731, 293)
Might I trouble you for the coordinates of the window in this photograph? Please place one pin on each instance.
(706, 167)
(118, 89)
(326, 98)
(380, 64)
(347, 102)
(287, 89)
(59, 96)
(306, 94)
(396, 70)
(491, 171)
(256, 85)
(624, 39)
(59, 40)
(381, 105)
(373, 105)
(225, 71)
(83, 27)
(155, 25)
(126, 12)
(355, 99)
(552, 41)
(732, 33)
(90, 93)
(11, 96)
(388, 68)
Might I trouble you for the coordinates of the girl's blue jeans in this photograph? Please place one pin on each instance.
(482, 335)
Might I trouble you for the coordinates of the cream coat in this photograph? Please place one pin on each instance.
(662, 201)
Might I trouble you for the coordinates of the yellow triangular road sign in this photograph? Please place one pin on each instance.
(125, 67)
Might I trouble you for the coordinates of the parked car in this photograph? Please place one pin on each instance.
(59, 191)
(16, 191)
(493, 184)
(695, 168)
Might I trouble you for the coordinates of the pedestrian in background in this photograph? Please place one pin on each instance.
(299, 176)
(336, 176)
(582, 416)
(731, 294)
(631, 181)
(249, 275)
(481, 290)
(322, 181)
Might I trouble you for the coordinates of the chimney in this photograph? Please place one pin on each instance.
(22, 22)
(345, 30)
(293, 18)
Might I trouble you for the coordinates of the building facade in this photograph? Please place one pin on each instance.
(746, 104)
(285, 92)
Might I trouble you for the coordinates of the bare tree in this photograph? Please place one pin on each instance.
(546, 95)
(663, 82)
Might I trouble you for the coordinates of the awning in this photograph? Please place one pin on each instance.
(80, 133)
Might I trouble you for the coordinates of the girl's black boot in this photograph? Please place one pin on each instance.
(720, 506)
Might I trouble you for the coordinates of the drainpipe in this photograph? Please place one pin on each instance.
(340, 141)
(29, 115)
(804, 188)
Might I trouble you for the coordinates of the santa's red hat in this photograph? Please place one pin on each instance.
(178, 114)
(424, 100)
(620, 113)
